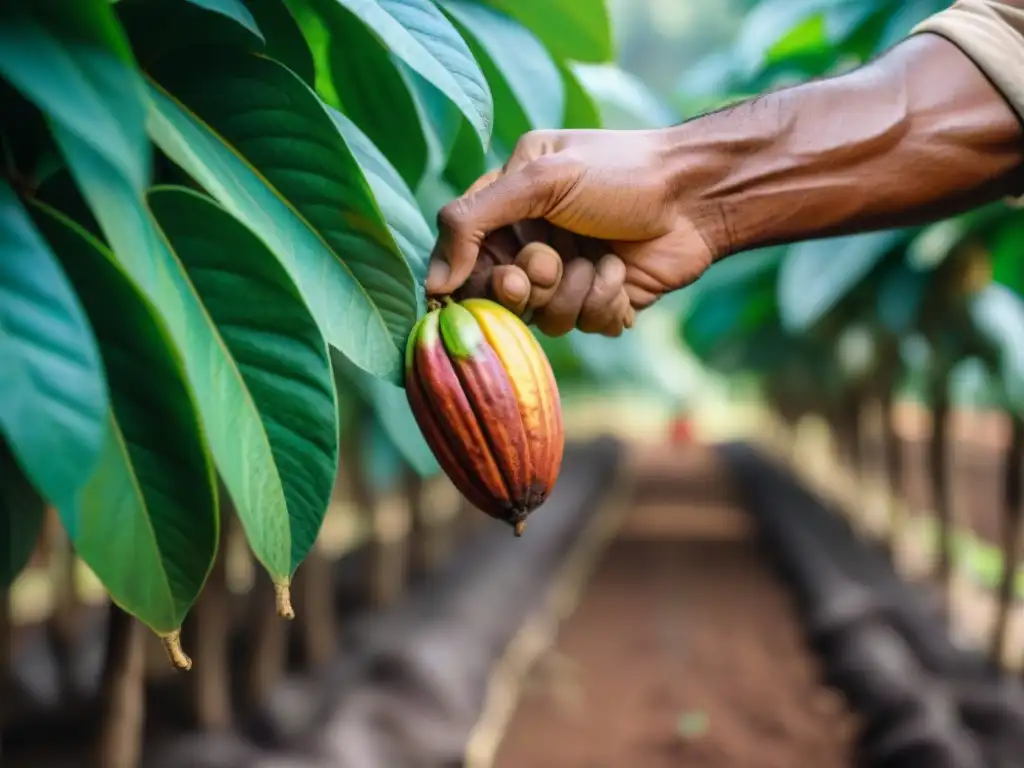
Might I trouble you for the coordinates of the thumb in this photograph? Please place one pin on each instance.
(523, 193)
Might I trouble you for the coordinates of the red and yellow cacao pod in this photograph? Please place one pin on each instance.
(484, 396)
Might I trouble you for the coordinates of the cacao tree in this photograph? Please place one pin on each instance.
(952, 291)
(216, 219)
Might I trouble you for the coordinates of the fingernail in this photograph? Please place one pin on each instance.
(437, 274)
(516, 286)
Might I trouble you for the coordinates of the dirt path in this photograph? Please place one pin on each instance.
(684, 651)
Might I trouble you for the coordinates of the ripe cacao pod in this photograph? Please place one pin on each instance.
(484, 396)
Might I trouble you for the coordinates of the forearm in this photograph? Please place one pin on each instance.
(917, 135)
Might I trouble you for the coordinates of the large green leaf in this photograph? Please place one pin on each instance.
(766, 24)
(900, 294)
(393, 415)
(1007, 249)
(570, 29)
(53, 394)
(72, 60)
(397, 202)
(358, 74)
(146, 522)
(231, 9)
(998, 313)
(728, 312)
(417, 33)
(622, 99)
(284, 38)
(263, 144)
(525, 82)
(158, 27)
(580, 109)
(384, 461)
(22, 512)
(817, 274)
(261, 371)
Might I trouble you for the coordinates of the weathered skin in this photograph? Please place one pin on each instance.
(485, 398)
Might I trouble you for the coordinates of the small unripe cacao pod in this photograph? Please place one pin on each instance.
(484, 396)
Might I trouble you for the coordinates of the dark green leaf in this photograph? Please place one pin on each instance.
(418, 33)
(146, 522)
(397, 203)
(53, 392)
(580, 109)
(393, 415)
(622, 99)
(284, 38)
(157, 27)
(366, 83)
(266, 148)
(22, 513)
(256, 356)
(817, 274)
(527, 87)
(1007, 252)
(901, 292)
(231, 9)
(570, 29)
(998, 314)
(72, 60)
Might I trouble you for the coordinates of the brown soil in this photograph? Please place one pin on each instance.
(682, 628)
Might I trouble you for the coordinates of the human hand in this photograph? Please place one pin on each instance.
(580, 229)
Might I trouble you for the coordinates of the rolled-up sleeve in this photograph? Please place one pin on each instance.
(991, 33)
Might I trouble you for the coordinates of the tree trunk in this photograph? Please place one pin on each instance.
(314, 587)
(1011, 537)
(421, 526)
(938, 466)
(123, 699)
(209, 630)
(389, 548)
(268, 652)
(62, 625)
(6, 629)
(892, 450)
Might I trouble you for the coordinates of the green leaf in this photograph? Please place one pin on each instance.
(397, 203)
(157, 27)
(231, 9)
(900, 294)
(263, 144)
(730, 311)
(766, 24)
(524, 80)
(570, 29)
(1007, 248)
(283, 34)
(53, 392)
(580, 109)
(998, 314)
(261, 371)
(623, 100)
(817, 274)
(418, 33)
(72, 60)
(146, 523)
(22, 513)
(365, 83)
(394, 415)
(384, 462)
(906, 16)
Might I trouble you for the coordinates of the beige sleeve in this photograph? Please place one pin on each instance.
(991, 33)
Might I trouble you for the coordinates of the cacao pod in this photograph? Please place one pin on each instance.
(484, 395)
